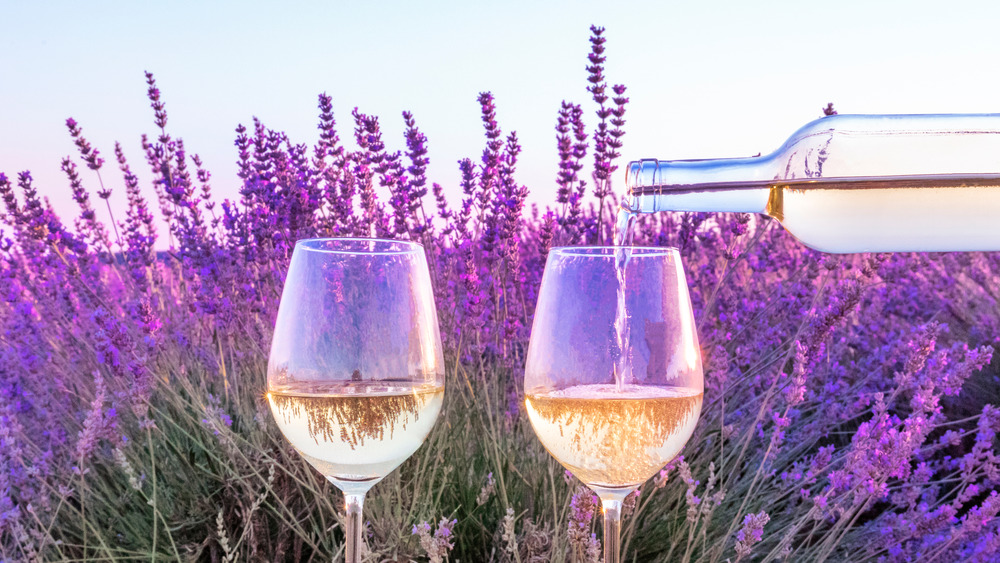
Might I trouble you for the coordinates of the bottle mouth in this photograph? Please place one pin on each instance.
(652, 175)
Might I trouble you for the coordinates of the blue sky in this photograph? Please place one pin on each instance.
(706, 79)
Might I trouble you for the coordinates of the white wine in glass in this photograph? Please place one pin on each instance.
(355, 377)
(613, 378)
(610, 439)
(355, 432)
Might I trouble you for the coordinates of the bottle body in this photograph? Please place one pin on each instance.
(852, 183)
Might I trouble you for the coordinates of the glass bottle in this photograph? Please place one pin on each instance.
(852, 183)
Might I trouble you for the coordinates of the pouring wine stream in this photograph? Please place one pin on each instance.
(622, 239)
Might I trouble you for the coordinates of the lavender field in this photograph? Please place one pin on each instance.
(849, 407)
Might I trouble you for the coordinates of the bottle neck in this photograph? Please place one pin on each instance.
(725, 184)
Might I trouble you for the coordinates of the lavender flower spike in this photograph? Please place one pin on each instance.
(751, 533)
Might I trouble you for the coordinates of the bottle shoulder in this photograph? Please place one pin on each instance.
(891, 145)
(889, 125)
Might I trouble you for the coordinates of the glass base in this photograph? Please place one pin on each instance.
(612, 493)
(352, 486)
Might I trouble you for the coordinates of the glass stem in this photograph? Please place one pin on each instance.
(353, 504)
(612, 529)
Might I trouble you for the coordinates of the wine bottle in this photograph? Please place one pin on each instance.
(851, 183)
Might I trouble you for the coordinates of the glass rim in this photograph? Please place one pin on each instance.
(380, 246)
(602, 251)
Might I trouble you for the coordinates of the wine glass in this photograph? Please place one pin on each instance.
(355, 378)
(613, 377)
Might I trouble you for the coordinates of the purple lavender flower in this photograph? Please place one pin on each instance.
(583, 508)
(416, 145)
(89, 154)
(750, 533)
(100, 423)
(439, 545)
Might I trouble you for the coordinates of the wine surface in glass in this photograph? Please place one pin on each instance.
(610, 438)
(356, 432)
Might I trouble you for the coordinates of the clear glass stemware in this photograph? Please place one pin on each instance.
(613, 378)
(355, 378)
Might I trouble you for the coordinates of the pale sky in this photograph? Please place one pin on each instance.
(706, 79)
